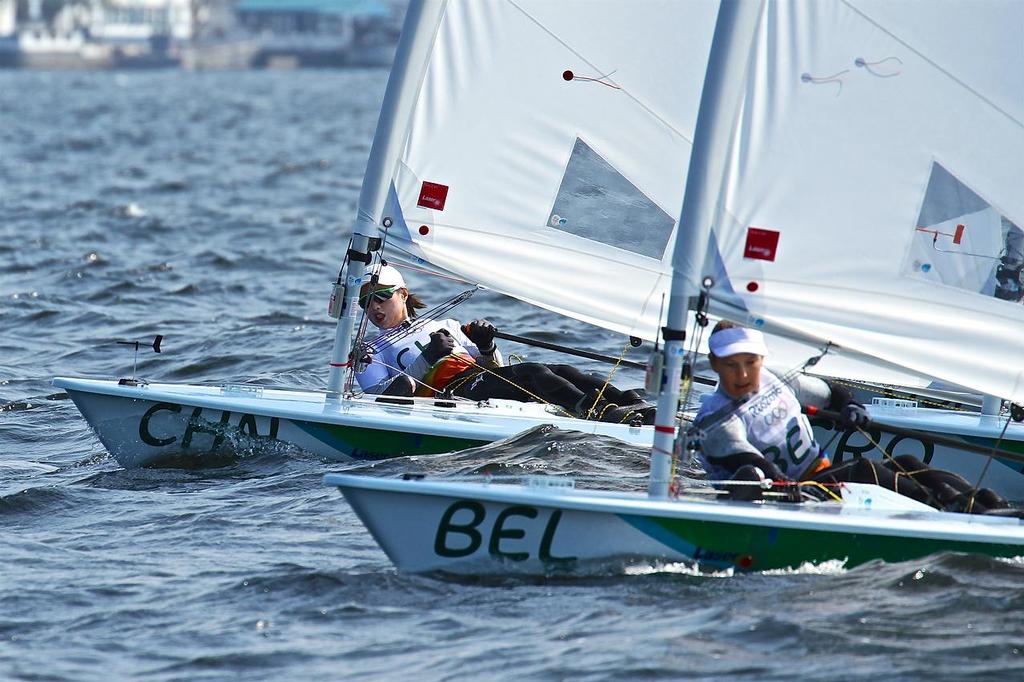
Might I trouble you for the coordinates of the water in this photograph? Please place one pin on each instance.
(213, 209)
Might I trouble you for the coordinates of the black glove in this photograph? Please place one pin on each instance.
(839, 396)
(481, 332)
(442, 343)
(365, 355)
(854, 416)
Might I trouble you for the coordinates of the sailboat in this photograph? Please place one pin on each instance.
(570, 204)
(408, 203)
(823, 130)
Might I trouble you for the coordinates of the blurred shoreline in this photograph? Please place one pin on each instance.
(198, 34)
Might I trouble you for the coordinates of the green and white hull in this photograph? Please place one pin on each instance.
(150, 424)
(541, 527)
(153, 423)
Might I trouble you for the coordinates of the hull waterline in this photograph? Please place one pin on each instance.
(499, 529)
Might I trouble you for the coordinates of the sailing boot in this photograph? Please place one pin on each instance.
(646, 414)
(590, 406)
(632, 396)
(991, 499)
(618, 414)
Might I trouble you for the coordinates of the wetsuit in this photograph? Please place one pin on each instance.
(562, 385)
(766, 429)
(460, 374)
(909, 476)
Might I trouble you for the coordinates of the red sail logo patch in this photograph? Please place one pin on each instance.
(433, 195)
(761, 244)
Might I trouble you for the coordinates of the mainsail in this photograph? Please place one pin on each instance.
(547, 150)
(873, 190)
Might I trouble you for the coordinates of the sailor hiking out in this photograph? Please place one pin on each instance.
(753, 429)
(427, 357)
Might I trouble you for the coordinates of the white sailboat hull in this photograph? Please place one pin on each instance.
(154, 424)
(541, 528)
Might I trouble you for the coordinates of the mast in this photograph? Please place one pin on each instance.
(421, 22)
(720, 98)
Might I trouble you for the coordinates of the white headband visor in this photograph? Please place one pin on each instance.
(737, 340)
(388, 276)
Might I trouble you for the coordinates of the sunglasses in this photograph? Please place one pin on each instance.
(380, 295)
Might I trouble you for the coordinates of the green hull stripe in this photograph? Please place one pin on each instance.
(759, 548)
(1014, 446)
(373, 444)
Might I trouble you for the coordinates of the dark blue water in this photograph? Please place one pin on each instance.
(214, 209)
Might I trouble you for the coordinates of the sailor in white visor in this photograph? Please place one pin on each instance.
(737, 354)
(752, 426)
(752, 429)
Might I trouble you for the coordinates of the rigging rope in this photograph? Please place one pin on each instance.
(608, 380)
(413, 325)
(402, 372)
(449, 388)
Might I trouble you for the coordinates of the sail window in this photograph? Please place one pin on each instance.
(597, 202)
(962, 241)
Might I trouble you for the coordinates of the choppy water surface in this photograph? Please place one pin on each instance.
(213, 209)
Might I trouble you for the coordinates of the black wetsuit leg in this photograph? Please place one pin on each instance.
(524, 381)
(866, 471)
(588, 384)
(909, 476)
(952, 490)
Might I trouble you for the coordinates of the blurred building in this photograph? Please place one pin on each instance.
(92, 33)
(318, 32)
(198, 34)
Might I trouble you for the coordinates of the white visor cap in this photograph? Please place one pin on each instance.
(737, 340)
(388, 276)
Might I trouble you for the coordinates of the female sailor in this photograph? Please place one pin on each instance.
(753, 429)
(429, 357)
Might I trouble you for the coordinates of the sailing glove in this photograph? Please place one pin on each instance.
(441, 344)
(365, 355)
(854, 416)
(481, 332)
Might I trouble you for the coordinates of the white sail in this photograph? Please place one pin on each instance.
(873, 197)
(577, 182)
(562, 193)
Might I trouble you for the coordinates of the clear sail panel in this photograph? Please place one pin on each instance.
(597, 202)
(962, 241)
